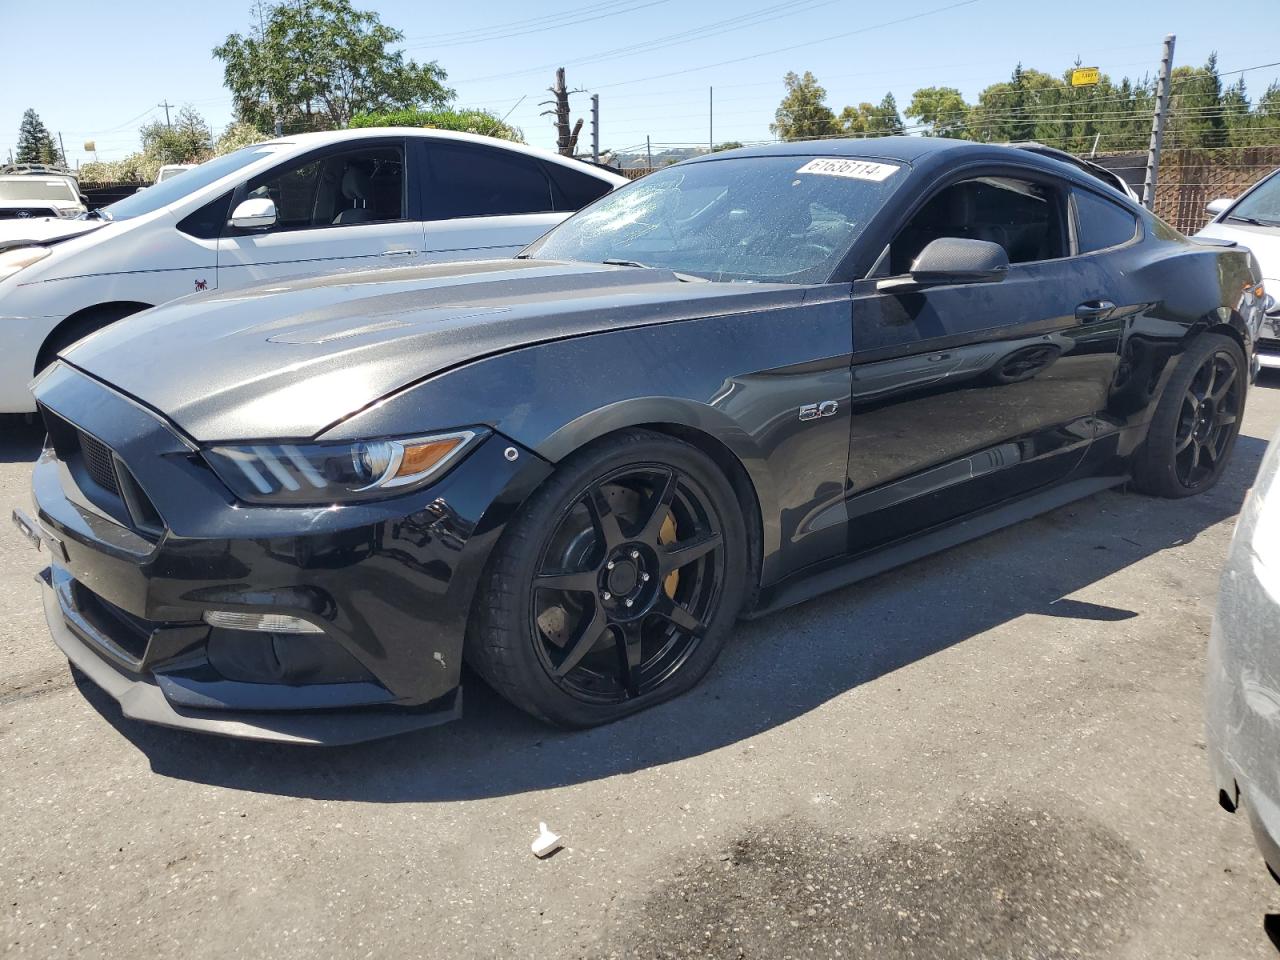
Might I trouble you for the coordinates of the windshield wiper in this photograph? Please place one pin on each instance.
(625, 263)
(1255, 221)
(98, 214)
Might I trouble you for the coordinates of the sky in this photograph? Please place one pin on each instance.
(91, 75)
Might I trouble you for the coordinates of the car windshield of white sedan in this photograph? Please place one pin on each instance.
(197, 178)
(771, 219)
(33, 188)
(1261, 206)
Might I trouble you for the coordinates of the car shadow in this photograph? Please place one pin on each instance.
(20, 439)
(772, 671)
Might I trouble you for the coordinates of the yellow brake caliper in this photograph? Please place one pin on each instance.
(668, 535)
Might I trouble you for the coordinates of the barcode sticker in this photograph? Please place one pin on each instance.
(853, 169)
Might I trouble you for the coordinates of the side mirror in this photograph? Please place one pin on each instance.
(1219, 206)
(951, 260)
(256, 213)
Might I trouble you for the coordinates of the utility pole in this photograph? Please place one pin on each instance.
(62, 149)
(1157, 124)
(648, 149)
(166, 106)
(595, 128)
(711, 119)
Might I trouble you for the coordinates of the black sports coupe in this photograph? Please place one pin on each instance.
(292, 513)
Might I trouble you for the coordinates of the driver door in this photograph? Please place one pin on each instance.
(341, 208)
(968, 394)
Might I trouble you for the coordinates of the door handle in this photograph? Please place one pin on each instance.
(1092, 311)
(398, 253)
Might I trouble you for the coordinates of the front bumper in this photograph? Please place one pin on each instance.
(390, 583)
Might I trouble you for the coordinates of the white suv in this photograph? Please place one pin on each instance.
(313, 203)
(39, 195)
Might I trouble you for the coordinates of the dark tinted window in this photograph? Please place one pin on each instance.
(469, 181)
(1024, 218)
(574, 189)
(207, 222)
(354, 186)
(1101, 223)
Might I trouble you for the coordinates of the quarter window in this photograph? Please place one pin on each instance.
(469, 181)
(1101, 223)
(1023, 217)
(355, 186)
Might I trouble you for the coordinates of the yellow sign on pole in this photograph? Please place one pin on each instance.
(1084, 76)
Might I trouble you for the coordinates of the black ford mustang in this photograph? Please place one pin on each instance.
(291, 513)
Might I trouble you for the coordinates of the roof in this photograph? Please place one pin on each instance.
(906, 149)
(325, 137)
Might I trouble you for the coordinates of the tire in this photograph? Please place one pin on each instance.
(80, 327)
(638, 546)
(1196, 422)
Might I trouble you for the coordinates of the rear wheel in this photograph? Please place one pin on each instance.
(1196, 422)
(617, 586)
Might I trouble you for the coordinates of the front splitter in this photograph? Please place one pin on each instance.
(140, 698)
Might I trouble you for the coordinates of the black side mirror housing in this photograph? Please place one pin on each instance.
(951, 260)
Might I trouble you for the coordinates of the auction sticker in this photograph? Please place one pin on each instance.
(853, 169)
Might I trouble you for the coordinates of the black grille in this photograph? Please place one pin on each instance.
(24, 212)
(1268, 344)
(99, 463)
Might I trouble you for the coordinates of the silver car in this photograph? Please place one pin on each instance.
(1253, 220)
(1243, 685)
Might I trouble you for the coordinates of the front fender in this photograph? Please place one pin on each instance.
(740, 380)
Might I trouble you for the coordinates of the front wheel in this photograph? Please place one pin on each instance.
(616, 587)
(1196, 423)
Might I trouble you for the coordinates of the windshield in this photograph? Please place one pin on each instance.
(35, 188)
(168, 173)
(783, 219)
(198, 177)
(1262, 204)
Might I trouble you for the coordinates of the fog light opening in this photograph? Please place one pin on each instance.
(259, 622)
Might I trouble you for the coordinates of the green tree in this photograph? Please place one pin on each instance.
(187, 140)
(856, 121)
(318, 64)
(237, 134)
(35, 142)
(481, 122)
(942, 108)
(1197, 114)
(727, 145)
(885, 120)
(803, 112)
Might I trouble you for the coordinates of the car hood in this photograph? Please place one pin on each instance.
(1263, 241)
(37, 230)
(290, 360)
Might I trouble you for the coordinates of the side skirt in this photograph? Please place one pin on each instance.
(812, 582)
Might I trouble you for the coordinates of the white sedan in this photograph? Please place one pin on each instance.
(1253, 220)
(316, 203)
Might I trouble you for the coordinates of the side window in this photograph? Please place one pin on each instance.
(469, 181)
(1101, 223)
(354, 186)
(574, 189)
(1025, 218)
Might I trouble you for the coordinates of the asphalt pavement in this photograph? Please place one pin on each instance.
(996, 752)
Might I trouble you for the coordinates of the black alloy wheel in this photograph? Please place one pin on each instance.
(616, 586)
(627, 583)
(1197, 420)
(1207, 420)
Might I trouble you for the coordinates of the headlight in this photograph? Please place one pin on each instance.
(317, 473)
(1270, 306)
(11, 261)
